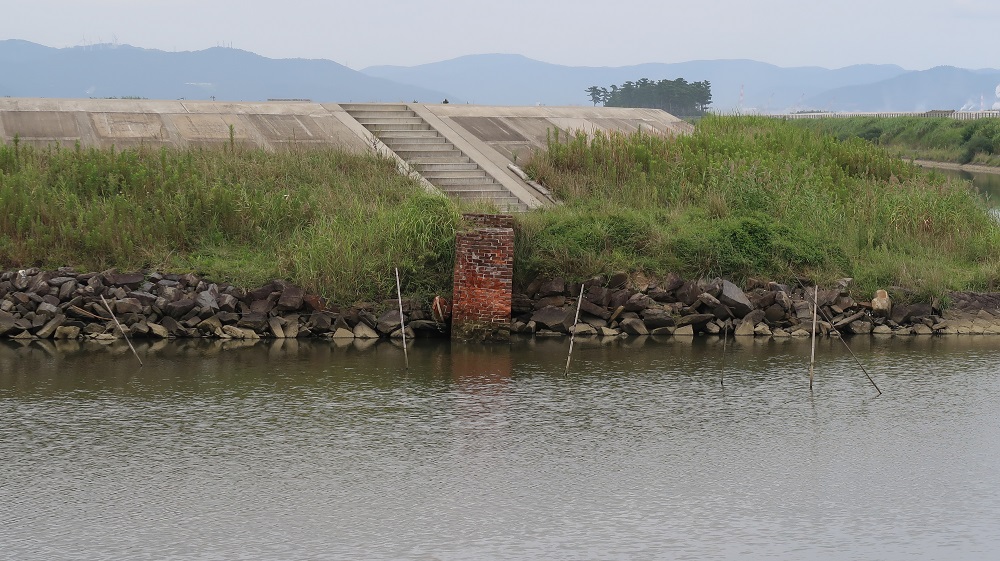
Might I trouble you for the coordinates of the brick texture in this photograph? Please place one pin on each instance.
(484, 273)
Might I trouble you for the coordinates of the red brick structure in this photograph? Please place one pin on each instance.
(484, 276)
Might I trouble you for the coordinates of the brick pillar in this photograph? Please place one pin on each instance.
(484, 273)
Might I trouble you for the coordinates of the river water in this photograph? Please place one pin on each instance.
(299, 450)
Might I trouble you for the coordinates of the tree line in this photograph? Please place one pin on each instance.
(677, 97)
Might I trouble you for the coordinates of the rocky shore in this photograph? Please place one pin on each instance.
(674, 306)
(64, 304)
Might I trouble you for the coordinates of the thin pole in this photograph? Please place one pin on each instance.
(848, 347)
(402, 323)
(122, 331)
(725, 338)
(572, 335)
(812, 356)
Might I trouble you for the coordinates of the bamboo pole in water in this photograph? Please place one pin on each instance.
(121, 330)
(402, 322)
(812, 356)
(572, 335)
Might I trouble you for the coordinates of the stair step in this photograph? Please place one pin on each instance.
(462, 181)
(409, 155)
(349, 107)
(474, 188)
(366, 114)
(474, 173)
(409, 133)
(383, 121)
(442, 161)
(404, 140)
(430, 167)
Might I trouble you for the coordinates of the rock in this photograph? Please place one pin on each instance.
(735, 299)
(128, 306)
(265, 305)
(618, 280)
(206, 300)
(801, 333)
(50, 327)
(290, 299)
(634, 326)
(321, 322)
(253, 320)
(388, 322)
(608, 332)
(598, 296)
(7, 322)
(211, 325)
(276, 328)
(780, 333)
(744, 329)
(774, 314)
(556, 300)
(662, 331)
(556, 319)
(638, 302)
(762, 330)
(619, 298)
(158, 331)
(552, 287)
(882, 330)
(582, 329)
(694, 320)
(586, 306)
(47, 309)
(180, 308)
(67, 332)
(343, 333)
(687, 330)
(921, 329)
(313, 303)
(655, 318)
(130, 280)
(881, 304)
(362, 331)
(67, 289)
(860, 327)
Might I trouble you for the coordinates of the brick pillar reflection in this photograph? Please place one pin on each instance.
(484, 273)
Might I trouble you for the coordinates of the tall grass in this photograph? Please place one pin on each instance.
(333, 222)
(755, 197)
(940, 139)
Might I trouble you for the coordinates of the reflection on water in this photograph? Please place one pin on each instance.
(988, 184)
(307, 450)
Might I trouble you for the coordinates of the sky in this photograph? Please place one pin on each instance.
(915, 34)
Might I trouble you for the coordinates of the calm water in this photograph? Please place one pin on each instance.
(312, 451)
(986, 183)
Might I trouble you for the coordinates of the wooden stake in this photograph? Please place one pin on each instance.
(812, 356)
(402, 323)
(572, 334)
(725, 338)
(122, 331)
(848, 347)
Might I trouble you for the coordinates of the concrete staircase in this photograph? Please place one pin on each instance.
(432, 155)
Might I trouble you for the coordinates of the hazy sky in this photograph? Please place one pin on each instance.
(916, 34)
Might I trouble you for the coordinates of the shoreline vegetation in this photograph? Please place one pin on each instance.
(935, 139)
(748, 199)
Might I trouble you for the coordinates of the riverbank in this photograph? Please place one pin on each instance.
(66, 305)
(971, 168)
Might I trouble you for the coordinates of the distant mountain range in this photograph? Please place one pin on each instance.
(31, 70)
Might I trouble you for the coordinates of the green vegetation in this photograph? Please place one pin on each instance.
(928, 138)
(741, 197)
(677, 97)
(756, 197)
(332, 222)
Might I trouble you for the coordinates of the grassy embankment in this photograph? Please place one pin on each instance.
(333, 222)
(921, 138)
(741, 197)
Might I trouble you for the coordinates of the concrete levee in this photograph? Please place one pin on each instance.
(492, 136)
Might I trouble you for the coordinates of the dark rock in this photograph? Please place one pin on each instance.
(227, 302)
(320, 322)
(774, 314)
(130, 280)
(557, 300)
(7, 322)
(254, 320)
(128, 306)
(638, 302)
(47, 310)
(860, 327)
(619, 298)
(735, 299)
(634, 326)
(672, 282)
(211, 326)
(266, 305)
(598, 295)
(654, 318)
(520, 304)
(754, 317)
(313, 303)
(556, 319)
(388, 322)
(906, 313)
(206, 300)
(180, 308)
(144, 298)
(551, 288)
(586, 306)
(228, 317)
(695, 320)
(688, 293)
(618, 281)
(290, 299)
